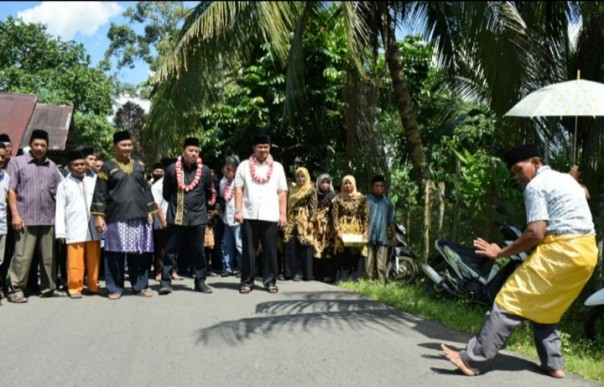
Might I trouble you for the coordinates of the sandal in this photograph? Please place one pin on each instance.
(75, 295)
(176, 277)
(272, 289)
(145, 293)
(245, 290)
(17, 298)
(115, 296)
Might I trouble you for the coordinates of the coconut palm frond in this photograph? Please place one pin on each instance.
(223, 32)
(357, 31)
(294, 82)
(218, 39)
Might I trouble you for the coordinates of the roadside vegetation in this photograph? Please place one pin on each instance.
(583, 357)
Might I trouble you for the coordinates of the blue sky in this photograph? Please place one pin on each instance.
(84, 22)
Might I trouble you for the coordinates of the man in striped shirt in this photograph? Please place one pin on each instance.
(33, 185)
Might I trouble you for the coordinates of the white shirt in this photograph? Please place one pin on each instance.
(72, 216)
(4, 185)
(261, 201)
(157, 190)
(228, 217)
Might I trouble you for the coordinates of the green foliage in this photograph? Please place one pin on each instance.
(95, 131)
(162, 21)
(312, 134)
(58, 72)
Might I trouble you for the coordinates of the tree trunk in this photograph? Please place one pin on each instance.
(441, 207)
(402, 94)
(427, 218)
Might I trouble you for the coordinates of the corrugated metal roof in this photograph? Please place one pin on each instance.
(15, 112)
(57, 120)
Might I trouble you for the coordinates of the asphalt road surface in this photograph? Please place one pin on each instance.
(309, 334)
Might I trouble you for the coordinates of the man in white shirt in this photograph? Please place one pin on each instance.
(260, 206)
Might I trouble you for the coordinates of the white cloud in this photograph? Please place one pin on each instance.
(66, 19)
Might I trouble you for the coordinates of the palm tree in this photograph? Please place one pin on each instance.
(219, 36)
(495, 52)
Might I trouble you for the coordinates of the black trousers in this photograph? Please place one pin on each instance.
(194, 238)
(253, 232)
(138, 271)
(298, 259)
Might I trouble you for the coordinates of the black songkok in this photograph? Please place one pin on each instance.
(4, 137)
(379, 179)
(121, 136)
(158, 166)
(39, 134)
(191, 141)
(85, 149)
(262, 139)
(77, 154)
(521, 153)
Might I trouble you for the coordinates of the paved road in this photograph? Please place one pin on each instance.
(309, 334)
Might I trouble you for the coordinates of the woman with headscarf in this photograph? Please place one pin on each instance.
(350, 216)
(323, 230)
(298, 237)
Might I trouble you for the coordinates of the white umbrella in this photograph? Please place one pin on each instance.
(571, 98)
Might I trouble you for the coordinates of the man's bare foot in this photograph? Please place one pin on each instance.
(453, 357)
(559, 374)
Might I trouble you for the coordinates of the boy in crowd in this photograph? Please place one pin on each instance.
(75, 227)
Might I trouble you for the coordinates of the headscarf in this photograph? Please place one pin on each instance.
(298, 192)
(354, 194)
(325, 198)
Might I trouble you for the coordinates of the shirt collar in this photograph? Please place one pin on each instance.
(543, 168)
(30, 159)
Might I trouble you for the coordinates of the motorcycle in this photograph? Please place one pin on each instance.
(401, 266)
(458, 271)
(593, 322)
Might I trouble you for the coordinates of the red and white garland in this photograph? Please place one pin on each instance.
(261, 180)
(229, 190)
(179, 175)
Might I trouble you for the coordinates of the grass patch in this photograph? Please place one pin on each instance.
(583, 357)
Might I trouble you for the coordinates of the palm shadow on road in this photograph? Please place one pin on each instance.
(331, 311)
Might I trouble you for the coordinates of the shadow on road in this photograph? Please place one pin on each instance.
(502, 362)
(330, 311)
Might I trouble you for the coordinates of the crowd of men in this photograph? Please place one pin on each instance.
(63, 228)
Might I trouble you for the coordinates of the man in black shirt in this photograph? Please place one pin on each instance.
(188, 190)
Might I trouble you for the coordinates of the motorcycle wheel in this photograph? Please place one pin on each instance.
(433, 289)
(593, 323)
(407, 270)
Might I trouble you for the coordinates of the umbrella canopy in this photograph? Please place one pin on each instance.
(572, 98)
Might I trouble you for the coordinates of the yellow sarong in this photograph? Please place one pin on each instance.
(550, 279)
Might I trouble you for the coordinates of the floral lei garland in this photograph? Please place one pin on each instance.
(261, 180)
(229, 190)
(180, 176)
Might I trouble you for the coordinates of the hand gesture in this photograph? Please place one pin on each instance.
(489, 250)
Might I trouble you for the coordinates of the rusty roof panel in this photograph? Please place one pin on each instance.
(57, 120)
(15, 112)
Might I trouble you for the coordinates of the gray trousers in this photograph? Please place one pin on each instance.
(28, 241)
(376, 261)
(497, 328)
